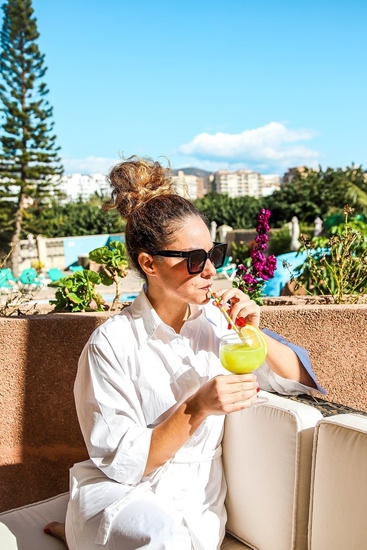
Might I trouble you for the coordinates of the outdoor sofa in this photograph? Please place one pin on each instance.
(297, 480)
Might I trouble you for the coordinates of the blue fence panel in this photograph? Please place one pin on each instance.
(81, 246)
(282, 275)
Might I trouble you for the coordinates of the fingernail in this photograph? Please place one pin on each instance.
(257, 389)
(229, 327)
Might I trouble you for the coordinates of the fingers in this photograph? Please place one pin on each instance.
(240, 379)
(241, 390)
(235, 392)
(239, 304)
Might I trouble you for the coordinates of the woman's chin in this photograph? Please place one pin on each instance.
(205, 299)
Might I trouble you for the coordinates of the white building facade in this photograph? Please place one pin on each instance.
(244, 183)
(189, 186)
(239, 183)
(83, 186)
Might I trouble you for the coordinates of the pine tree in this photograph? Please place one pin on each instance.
(29, 162)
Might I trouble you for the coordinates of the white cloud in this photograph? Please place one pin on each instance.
(88, 165)
(272, 147)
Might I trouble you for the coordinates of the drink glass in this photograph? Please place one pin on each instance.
(243, 354)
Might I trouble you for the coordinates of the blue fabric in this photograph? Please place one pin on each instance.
(301, 353)
(295, 260)
(29, 276)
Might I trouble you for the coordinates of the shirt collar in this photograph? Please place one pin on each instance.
(147, 320)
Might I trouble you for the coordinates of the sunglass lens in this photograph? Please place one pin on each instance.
(217, 256)
(196, 261)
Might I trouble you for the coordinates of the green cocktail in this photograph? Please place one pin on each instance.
(240, 359)
(244, 352)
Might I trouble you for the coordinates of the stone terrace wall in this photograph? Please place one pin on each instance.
(39, 433)
(336, 339)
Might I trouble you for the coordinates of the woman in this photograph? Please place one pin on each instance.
(150, 392)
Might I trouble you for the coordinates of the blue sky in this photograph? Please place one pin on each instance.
(262, 85)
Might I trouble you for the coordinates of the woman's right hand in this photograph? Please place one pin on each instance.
(225, 394)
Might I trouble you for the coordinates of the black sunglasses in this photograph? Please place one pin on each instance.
(196, 259)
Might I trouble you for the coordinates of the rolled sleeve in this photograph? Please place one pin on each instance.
(274, 382)
(110, 416)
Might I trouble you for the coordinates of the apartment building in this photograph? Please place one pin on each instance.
(269, 184)
(293, 172)
(189, 186)
(242, 183)
(83, 186)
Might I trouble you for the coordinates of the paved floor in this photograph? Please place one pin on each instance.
(131, 284)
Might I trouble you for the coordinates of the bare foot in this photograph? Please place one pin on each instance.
(57, 530)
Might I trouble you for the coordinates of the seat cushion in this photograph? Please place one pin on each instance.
(231, 543)
(267, 454)
(339, 484)
(22, 528)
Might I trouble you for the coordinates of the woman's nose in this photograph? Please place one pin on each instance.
(209, 269)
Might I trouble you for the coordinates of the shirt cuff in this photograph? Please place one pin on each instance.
(304, 357)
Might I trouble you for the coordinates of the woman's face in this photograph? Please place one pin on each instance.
(172, 275)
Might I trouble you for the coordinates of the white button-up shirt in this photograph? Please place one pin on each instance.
(133, 372)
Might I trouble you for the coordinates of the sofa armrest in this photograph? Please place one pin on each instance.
(339, 484)
(22, 528)
(267, 454)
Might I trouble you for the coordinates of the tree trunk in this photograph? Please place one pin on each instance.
(15, 240)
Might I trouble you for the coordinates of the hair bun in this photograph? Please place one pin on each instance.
(136, 181)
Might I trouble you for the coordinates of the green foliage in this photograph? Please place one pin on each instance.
(318, 192)
(238, 212)
(311, 193)
(29, 161)
(337, 264)
(114, 266)
(75, 218)
(77, 292)
(240, 252)
(279, 241)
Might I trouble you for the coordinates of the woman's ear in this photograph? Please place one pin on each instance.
(146, 262)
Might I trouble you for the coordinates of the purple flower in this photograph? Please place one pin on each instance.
(264, 227)
(263, 238)
(252, 279)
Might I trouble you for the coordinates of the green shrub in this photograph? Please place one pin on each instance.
(114, 266)
(337, 265)
(77, 292)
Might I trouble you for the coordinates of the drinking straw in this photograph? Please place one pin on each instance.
(230, 322)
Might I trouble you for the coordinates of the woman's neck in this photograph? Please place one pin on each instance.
(172, 313)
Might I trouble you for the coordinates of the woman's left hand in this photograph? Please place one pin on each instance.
(238, 304)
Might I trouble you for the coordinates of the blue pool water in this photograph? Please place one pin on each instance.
(125, 297)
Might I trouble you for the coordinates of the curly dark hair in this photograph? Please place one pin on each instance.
(143, 193)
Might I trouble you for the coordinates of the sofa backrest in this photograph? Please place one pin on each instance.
(267, 455)
(339, 484)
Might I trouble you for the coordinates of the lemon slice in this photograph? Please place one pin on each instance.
(253, 337)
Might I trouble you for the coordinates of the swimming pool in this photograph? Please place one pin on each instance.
(125, 297)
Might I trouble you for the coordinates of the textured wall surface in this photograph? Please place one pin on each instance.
(336, 339)
(39, 434)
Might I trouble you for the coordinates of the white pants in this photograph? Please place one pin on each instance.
(142, 523)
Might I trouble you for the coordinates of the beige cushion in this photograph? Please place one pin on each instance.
(230, 543)
(267, 454)
(338, 511)
(22, 528)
